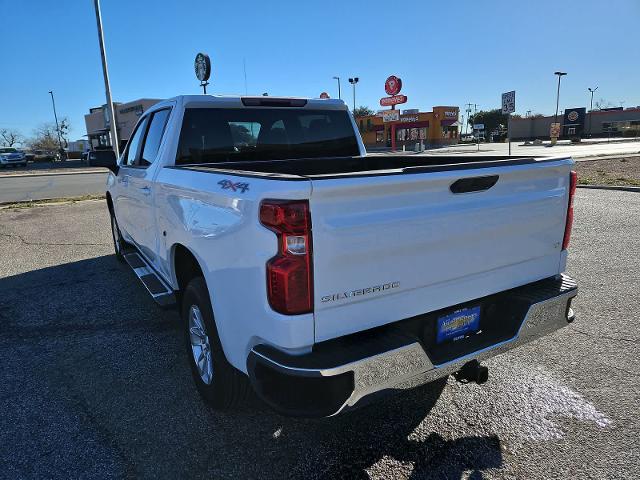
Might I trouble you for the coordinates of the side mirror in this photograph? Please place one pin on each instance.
(104, 158)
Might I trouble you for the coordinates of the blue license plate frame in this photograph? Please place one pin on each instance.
(458, 324)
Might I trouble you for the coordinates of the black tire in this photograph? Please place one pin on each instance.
(227, 386)
(119, 245)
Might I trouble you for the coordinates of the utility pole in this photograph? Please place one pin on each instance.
(339, 92)
(353, 82)
(112, 117)
(55, 115)
(592, 90)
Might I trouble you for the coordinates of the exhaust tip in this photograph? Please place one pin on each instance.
(472, 372)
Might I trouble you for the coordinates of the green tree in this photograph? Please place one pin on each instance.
(491, 119)
(362, 111)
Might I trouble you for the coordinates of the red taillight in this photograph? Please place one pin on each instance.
(567, 228)
(289, 278)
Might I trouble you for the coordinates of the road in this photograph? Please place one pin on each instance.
(577, 151)
(16, 188)
(95, 382)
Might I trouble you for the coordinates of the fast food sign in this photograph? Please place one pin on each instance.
(393, 100)
(392, 86)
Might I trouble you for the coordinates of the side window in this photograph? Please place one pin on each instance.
(134, 143)
(154, 137)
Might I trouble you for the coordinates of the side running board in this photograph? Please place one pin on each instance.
(157, 288)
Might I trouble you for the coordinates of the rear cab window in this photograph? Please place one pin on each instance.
(212, 135)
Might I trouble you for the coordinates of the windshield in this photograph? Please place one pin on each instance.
(232, 135)
(8, 150)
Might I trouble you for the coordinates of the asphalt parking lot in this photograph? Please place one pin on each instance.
(94, 380)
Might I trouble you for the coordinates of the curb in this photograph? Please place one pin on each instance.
(621, 188)
(46, 174)
(605, 157)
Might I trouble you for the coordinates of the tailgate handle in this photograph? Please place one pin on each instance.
(474, 184)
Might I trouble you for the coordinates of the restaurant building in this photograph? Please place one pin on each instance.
(127, 114)
(405, 128)
(614, 122)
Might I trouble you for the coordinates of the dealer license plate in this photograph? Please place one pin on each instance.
(458, 324)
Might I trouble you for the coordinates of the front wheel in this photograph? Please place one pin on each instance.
(219, 383)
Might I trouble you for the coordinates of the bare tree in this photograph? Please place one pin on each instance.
(602, 103)
(10, 137)
(45, 137)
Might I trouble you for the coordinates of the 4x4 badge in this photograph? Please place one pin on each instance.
(235, 186)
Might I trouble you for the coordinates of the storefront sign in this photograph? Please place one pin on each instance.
(391, 116)
(451, 114)
(478, 126)
(573, 124)
(554, 131)
(410, 111)
(394, 100)
(135, 108)
(202, 67)
(409, 118)
(393, 85)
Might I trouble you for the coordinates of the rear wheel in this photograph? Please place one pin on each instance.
(219, 383)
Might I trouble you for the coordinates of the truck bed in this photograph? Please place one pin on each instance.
(335, 167)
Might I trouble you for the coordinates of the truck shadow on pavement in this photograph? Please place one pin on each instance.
(96, 383)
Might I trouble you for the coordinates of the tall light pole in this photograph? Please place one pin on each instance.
(353, 82)
(55, 115)
(592, 90)
(112, 117)
(560, 75)
(339, 92)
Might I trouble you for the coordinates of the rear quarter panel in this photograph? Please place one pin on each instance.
(221, 228)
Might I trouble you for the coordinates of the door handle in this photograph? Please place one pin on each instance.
(145, 190)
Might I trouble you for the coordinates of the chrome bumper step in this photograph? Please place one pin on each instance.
(161, 293)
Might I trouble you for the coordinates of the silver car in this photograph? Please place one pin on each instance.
(12, 156)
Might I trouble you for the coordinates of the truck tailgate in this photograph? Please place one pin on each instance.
(390, 246)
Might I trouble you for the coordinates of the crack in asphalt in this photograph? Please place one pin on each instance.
(26, 242)
(606, 337)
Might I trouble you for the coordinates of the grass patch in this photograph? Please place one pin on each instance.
(622, 171)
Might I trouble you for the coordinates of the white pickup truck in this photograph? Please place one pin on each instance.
(321, 276)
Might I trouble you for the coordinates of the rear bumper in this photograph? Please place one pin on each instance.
(347, 372)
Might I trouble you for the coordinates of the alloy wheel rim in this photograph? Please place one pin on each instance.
(200, 345)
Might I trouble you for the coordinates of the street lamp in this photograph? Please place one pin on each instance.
(353, 82)
(55, 115)
(592, 90)
(560, 75)
(339, 93)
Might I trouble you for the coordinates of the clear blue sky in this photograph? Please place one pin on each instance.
(447, 53)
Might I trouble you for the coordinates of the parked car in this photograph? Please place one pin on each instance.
(100, 158)
(321, 276)
(44, 156)
(10, 156)
(29, 155)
